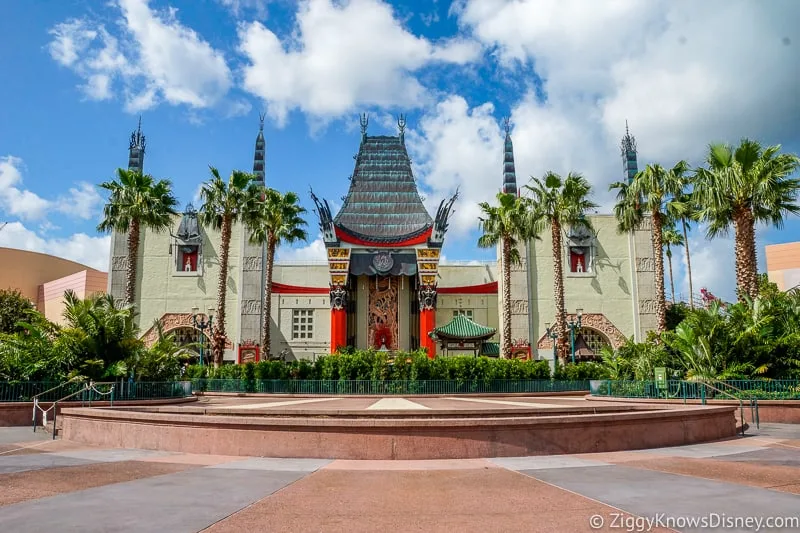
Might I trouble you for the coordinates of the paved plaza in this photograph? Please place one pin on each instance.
(57, 485)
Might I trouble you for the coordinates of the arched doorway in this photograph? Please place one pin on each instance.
(189, 338)
(589, 342)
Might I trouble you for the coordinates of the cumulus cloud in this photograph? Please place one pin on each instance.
(79, 247)
(82, 201)
(240, 7)
(163, 60)
(340, 56)
(313, 251)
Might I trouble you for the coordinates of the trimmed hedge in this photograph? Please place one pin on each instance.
(404, 366)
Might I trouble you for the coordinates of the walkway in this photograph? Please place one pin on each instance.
(60, 486)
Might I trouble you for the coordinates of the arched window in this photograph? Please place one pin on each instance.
(592, 339)
(189, 336)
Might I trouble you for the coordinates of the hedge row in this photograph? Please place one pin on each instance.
(416, 366)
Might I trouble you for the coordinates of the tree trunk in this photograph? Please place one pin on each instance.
(265, 327)
(658, 251)
(505, 351)
(671, 279)
(558, 292)
(222, 290)
(742, 255)
(133, 256)
(752, 262)
(688, 264)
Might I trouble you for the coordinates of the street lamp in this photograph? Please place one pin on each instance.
(573, 325)
(202, 322)
(553, 334)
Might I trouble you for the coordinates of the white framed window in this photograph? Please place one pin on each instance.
(302, 324)
(466, 312)
(188, 260)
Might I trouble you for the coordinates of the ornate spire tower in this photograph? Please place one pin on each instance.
(509, 173)
(136, 149)
(628, 152)
(260, 156)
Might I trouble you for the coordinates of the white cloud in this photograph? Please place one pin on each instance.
(79, 247)
(342, 55)
(15, 201)
(459, 147)
(313, 251)
(239, 7)
(658, 64)
(82, 201)
(162, 59)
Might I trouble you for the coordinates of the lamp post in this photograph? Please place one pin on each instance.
(573, 325)
(553, 334)
(202, 322)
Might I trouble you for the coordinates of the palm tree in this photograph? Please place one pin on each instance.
(224, 204)
(671, 238)
(682, 208)
(557, 203)
(743, 186)
(276, 219)
(506, 224)
(136, 202)
(651, 191)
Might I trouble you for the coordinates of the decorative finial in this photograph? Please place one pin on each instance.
(139, 129)
(261, 117)
(507, 125)
(627, 131)
(364, 123)
(401, 123)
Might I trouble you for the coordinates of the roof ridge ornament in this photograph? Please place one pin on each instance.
(261, 117)
(401, 126)
(507, 125)
(364, 119)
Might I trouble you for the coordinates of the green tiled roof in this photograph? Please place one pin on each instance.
(490, 348)
(383, 204)
(462, 327)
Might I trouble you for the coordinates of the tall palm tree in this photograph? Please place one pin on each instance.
(650, 192)
(743, 186)
(559, 202)
(682, 208)
(137, 202)
(672, 237)
(276, 219)
(224, 204)
(506, 224)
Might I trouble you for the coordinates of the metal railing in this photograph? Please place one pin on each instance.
(775, 389)
(88, 391)
(393, 387)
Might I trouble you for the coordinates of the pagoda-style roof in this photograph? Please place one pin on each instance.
(383, 204)
(462, 328)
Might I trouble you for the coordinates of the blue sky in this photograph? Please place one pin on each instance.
(77, 74)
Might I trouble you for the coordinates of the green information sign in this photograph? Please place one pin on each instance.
(661, 376)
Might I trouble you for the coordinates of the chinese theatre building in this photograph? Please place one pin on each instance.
(381, 283)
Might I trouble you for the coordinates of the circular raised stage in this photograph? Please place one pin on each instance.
(457, 427)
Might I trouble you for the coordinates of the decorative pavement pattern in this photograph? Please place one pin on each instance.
(48, 485)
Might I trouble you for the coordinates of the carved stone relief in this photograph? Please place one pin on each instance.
(170, 321)
(382, 322)
(648, 307)
(251, 307)
(646, 224)
(119, 262)
(596, 321)
(645, 264)
(519, 307)
(251, 263)
(522, 266)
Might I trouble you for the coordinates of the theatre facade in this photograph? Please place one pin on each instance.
(382, 284)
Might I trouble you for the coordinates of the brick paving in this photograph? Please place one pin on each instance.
(61, 486)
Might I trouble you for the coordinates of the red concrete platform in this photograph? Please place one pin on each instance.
(396, 428)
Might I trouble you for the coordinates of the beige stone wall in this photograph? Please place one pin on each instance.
(621, 287)
(162, 289)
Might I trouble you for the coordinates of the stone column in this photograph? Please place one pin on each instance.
(338, 317)
(427, 318)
